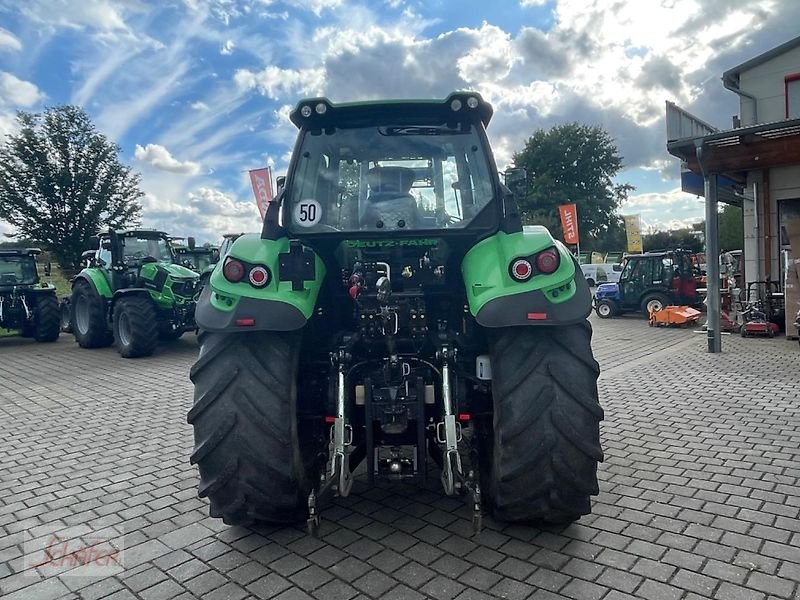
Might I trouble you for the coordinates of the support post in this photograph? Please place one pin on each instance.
(712, 263)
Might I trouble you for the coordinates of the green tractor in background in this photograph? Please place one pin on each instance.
(393, 310)
(132, 293)
(200, 259)
(26, 303)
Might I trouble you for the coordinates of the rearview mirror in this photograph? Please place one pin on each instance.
(192, 242)
(616, 267)
(47, 269)
(94, 241)
(516, 179)
(106, 245)
(280, 183)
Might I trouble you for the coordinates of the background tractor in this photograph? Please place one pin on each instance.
(393, 310)
(132, 293)
(26, 303)
(200, 259)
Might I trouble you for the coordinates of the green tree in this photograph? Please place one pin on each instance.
(572, 164)
(61, 181)
(731, 228)
(676, 238)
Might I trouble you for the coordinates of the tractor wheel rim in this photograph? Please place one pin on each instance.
(124, 329)
(604, 309)
(82, 315)
(654, 305)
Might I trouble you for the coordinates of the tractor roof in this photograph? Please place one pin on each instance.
(459, 106)
(145, 233)
(19, 251)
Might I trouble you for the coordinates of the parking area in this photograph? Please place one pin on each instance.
(700, 489)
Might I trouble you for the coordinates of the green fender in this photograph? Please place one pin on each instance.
(97, 280)
(497, 300)
(226, 306)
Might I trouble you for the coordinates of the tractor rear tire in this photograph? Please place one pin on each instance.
(88, 316)
(244, 417)
(48, 319)
(546, 433)
(135, 326)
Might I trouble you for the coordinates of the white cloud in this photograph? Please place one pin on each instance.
(205, 212)
(201, 106)
(8, 40)
(275, 82)
(227, 48)
(159, 157)
(102, 15)
(17, 92)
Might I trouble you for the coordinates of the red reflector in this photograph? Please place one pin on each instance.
(330, 419)
(464, 417)
(537, 316)
(521, 269)
(246, 322)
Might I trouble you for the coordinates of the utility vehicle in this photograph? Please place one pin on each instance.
(649, 282)
(131, 293)
(393, 311)
(26, 303)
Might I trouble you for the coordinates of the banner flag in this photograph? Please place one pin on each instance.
(261, 180)
(633, 231)
(569, 223)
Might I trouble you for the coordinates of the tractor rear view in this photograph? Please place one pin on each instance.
(26, 303)
(394, 311)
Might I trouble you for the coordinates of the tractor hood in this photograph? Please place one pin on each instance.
(178, 271)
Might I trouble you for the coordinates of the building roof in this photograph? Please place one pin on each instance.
(732, 75)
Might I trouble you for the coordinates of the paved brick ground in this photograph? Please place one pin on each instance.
(700, 489)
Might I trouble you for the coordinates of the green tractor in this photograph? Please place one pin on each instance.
(132, 294)
(199, 259)
(394, 311)
(26, 303)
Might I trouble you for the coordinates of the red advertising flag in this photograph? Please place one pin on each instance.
(569, 223)
(261, 180)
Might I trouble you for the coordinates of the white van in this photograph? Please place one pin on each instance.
(601, 273)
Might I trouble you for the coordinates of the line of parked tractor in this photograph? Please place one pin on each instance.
(136, 287)
(140, 286)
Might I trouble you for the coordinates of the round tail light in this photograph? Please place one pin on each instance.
(258, 276)
(521, 269)
(547, 262)
(233, 270)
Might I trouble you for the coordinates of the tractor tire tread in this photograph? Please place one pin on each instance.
(247, 447)
(143, 327)
(99, 335)
(545, 384)
(48, 319)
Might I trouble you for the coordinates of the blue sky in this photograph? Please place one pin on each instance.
(197, 92)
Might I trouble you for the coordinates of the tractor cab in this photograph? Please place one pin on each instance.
(649, 282)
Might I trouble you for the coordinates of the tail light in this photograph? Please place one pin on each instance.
(547, 261)
(233, 270)
(521, 269)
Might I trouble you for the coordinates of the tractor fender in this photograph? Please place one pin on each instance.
(496, 299)
(534, 308)
(281, 305)
(250, 314)
(96, 281)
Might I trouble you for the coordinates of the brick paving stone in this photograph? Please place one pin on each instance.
(700, 490)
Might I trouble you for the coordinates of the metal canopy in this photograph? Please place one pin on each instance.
(734, 152)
